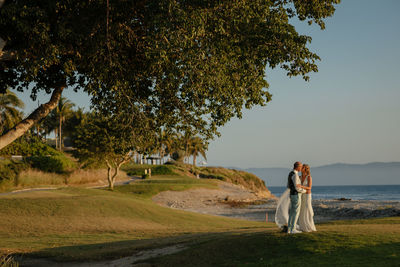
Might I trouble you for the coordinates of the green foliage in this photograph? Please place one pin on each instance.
(139, 169)
(103, 139)
(38, 155)
(28, 145)
(9, 114)
(9, 170)
(194, 64)
(243, 178)
(58, 163)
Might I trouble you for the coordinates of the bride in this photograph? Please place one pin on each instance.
(306, 217)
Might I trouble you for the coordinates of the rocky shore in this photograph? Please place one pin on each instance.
(234, 201)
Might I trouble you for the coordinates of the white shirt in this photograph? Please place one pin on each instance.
(296, 181)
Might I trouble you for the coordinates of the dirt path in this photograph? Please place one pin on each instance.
(122, 262)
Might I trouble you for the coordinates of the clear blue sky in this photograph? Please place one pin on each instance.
(348, 112)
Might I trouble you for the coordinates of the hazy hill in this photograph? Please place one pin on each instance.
(383, 173)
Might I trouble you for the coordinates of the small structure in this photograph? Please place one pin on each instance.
(153, 160)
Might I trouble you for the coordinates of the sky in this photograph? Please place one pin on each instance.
(348, 112)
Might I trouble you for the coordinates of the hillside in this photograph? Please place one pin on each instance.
(243, 179)
(60, 223)
(375, 173)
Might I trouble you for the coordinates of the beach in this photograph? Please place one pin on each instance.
(235, 201)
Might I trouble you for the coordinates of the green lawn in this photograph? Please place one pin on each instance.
(347, 243)
(94, 224)
(73, 223)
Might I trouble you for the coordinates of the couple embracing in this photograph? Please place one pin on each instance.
(294, 211)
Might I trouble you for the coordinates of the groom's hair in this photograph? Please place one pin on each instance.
(296, 164)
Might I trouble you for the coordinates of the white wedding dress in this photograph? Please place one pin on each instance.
(305, 222)
(306, 217)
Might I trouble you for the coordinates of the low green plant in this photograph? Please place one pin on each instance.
(139, 169)
(57, 163)
(7, 261)
(28, 145)
(9, 170)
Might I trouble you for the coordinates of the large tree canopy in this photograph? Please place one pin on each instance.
(183, 63)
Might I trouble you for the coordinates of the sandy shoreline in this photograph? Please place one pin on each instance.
(219, 202)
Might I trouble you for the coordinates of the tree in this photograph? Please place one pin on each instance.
(76, 118)
(197, 146)
(41, 46)
(9, 114)
(101, 139)
(50, 123)
(64, 111)
(182, 63)
(110, 140)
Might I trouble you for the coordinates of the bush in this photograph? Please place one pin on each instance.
(138, 170)
(58, 163)
(10, 169)
(28, 146)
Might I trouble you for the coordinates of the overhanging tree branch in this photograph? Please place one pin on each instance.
(33, 118)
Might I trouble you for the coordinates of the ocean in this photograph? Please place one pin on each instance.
(354, 192)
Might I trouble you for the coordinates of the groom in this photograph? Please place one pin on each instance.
(295, 197)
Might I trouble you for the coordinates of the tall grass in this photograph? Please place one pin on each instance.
(32, 177)
(92, 176)
(35, 178)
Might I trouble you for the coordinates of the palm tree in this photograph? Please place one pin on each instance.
(174, 146)
(9, 114)
(64, 109)
(50, 123)
(196, 147)
(77, 117)
(186, 139)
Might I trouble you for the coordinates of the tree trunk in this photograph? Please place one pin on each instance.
(60, 132)
(116, 171)
(56, 136)
(194, 160)
(33, 118)
(109, 178)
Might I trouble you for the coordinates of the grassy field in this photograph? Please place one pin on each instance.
(71, 224)
(77, 223)
(347, 243)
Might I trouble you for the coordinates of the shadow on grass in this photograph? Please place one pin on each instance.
(125, 248)
(247, 248)
(273, 249)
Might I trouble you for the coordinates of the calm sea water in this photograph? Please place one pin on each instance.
(355, 192)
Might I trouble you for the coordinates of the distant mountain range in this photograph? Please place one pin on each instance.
(374, 173)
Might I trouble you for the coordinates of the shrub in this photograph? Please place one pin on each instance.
(138, 170)
(28, 146)
(9, 170)
(58, 163)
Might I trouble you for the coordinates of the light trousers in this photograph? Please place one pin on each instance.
(294, 211)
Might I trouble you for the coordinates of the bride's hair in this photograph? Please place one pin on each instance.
(306, 169)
